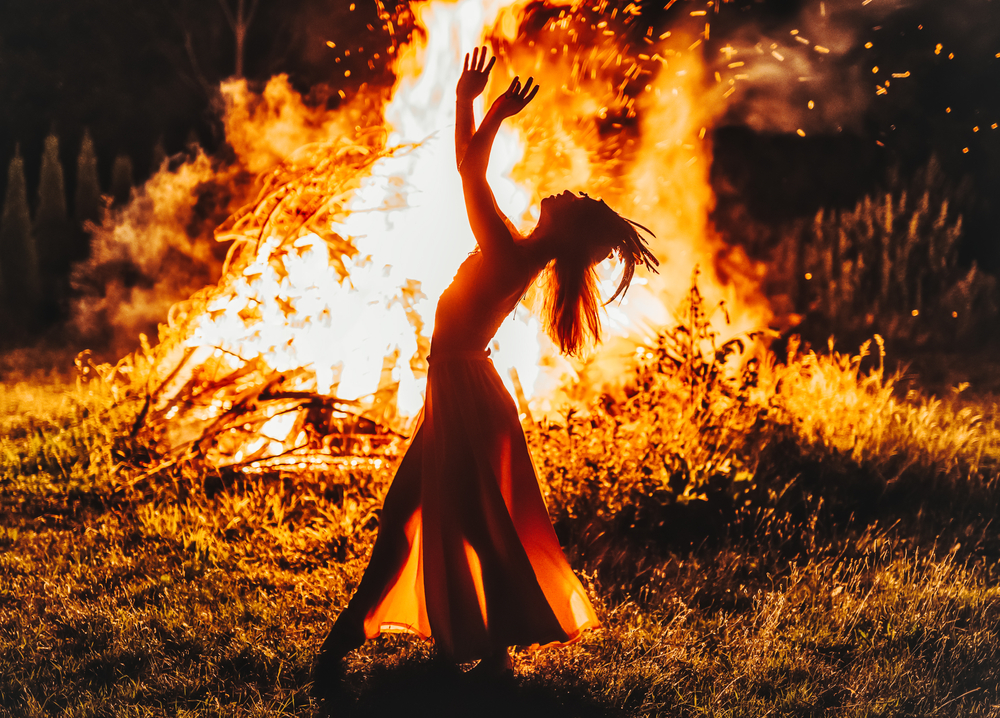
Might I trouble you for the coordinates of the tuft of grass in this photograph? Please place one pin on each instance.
(890, 264)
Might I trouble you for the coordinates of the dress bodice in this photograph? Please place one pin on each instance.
(476, 302)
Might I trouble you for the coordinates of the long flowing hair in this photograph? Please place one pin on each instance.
(571, 308)
(571, 293)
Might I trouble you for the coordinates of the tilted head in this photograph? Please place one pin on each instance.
(577, 232)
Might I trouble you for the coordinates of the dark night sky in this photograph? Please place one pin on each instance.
(121, 69)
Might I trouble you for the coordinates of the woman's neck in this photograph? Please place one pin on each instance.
(540, 247)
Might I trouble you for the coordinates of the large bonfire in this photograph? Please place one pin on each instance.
(311, 350)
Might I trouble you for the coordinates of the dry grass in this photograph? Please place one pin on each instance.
(790, 538)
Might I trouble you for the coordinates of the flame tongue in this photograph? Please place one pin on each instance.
(320, 328)
(408, 220)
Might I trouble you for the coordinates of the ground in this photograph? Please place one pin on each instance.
(843, 581)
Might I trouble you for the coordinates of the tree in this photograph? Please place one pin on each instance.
(87, 201)
(52, 229)
(121, 180)
(202, 36)
(239, 23)
(18, 259)
(159, 156)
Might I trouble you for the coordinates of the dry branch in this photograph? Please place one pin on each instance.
(211, 403)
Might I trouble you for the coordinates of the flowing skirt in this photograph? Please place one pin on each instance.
(466, 553)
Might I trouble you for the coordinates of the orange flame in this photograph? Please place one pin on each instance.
(361, 321)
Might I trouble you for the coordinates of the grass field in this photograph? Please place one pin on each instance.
(798, 538)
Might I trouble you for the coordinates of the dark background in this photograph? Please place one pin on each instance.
(140, 72)
(124, 69)
(780, 175)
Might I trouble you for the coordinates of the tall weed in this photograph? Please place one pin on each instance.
(889, 265)
(706, 431)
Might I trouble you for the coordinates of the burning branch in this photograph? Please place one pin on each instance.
(228, 405)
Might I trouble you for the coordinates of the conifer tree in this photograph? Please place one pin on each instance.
(52, 229)
(192, 143)
(121, 180)
(87, 201)
(18, 258)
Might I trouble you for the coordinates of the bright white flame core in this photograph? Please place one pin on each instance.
(427, 235)
(409, 224)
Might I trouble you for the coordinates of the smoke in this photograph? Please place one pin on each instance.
(819, 70)
(161, 247)
(266, 129)
(150, 253)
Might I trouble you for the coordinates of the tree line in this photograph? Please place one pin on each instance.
(38, 250)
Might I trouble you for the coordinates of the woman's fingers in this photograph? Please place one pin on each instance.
(476, 62)
(479, 60)
(526, 93)
(517, 96)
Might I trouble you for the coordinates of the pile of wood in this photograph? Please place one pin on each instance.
(207, 403)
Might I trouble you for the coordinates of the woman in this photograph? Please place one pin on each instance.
(465, 553)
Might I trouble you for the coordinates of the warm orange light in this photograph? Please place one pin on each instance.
(351, 324)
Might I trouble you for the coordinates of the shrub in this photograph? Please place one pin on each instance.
(891, 265)
(87, 205)
(52, 228)
(707, 437)
(121, 180)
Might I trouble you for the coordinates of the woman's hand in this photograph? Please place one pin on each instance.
(515, 98)
(474, 76)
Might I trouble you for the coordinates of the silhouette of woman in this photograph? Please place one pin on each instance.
(465, 552)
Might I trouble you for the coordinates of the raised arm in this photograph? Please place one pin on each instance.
(488, 224)
(470, 86)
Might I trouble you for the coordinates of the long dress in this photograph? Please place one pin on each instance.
(466, 553)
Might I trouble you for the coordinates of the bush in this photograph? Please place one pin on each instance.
(707, 439)
(889, 265)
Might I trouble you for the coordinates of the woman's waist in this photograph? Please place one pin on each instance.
(465, 340)
(456, 353)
